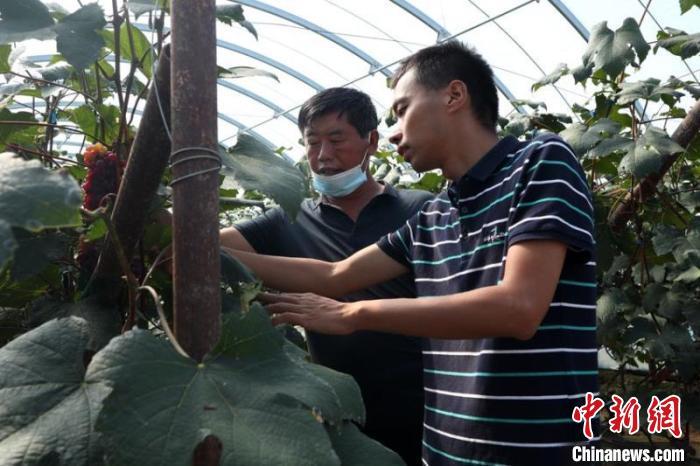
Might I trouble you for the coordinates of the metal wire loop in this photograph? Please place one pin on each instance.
(209, 154)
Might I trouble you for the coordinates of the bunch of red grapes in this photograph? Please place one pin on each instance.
(103, 178)
(104, 174)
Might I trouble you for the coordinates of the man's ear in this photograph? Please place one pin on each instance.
(373, 141)
(457, 95)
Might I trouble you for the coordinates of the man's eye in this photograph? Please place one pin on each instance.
(400, 111)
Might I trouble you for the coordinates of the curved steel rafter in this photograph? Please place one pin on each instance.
(256, 56)
(571, 19)
(375, 66)
(258, 98)
(373, 63)
(444, 34)
(417, 13)
(250, 94)
(221, 116)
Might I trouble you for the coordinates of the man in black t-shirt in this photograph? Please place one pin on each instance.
(339, 128)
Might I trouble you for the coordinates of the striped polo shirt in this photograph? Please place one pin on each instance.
(496, 401)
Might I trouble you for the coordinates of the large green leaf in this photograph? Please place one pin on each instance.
(649, 89)
(690, 275)
(14, 88)
(666, 239)
(56, 71)
(561, 70)
(110, 115)
(255, 167)
(609, 146)
(25, 19)
(244, 72)
(140, 7)
(33, 197)
(5, 50)
(609, 316)
(583, 138)
(640, 328)
(262, 403)
(142, 46)
(688, 4)
(648, 153)
(233, 13)
(47, 408)
(678, 42)
(8, 243)
(86, 118)
(612, 51)
(77, 37)
(8, 130)
(517, 125)
(35, 252)
(355, 449)
(76, 34)
(19, 294)
(533, 104)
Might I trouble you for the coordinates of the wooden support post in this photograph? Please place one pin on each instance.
(196, 267)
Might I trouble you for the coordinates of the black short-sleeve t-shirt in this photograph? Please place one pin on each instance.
(387, 367)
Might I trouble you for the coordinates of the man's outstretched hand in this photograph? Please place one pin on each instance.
(311, 311)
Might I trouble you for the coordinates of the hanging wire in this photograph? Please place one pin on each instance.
(653, 18)
(378, 29)
(527, 54)
(213, 155)
(202, 153)
(400, 42)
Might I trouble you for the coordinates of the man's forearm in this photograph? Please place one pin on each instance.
(487, 312)
(292, 274)
(365, 268)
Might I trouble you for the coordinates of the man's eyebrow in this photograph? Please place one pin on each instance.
(333, 132)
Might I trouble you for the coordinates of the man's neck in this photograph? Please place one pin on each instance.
(353, 203)
(467, 151)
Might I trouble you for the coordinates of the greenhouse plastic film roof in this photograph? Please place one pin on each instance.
(314, 44)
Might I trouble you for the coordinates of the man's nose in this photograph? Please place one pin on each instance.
(326, 152)
(395, 137)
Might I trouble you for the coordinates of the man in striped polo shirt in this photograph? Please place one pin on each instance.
(504, 270)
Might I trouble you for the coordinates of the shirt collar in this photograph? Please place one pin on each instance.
(483, 168)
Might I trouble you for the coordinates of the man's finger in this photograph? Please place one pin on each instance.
(287, 318)
(266, 298)
(281, 308)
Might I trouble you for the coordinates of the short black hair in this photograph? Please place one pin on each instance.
(355, 105)
(439, 64)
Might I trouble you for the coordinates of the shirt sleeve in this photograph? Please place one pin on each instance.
(263, 232)
(399, 244)
(553, 200)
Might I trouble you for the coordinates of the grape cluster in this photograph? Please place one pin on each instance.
(104, 174)
(103, 178)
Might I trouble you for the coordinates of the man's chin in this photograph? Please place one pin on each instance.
(419, 166)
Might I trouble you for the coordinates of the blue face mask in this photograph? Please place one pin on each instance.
(341, 184)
